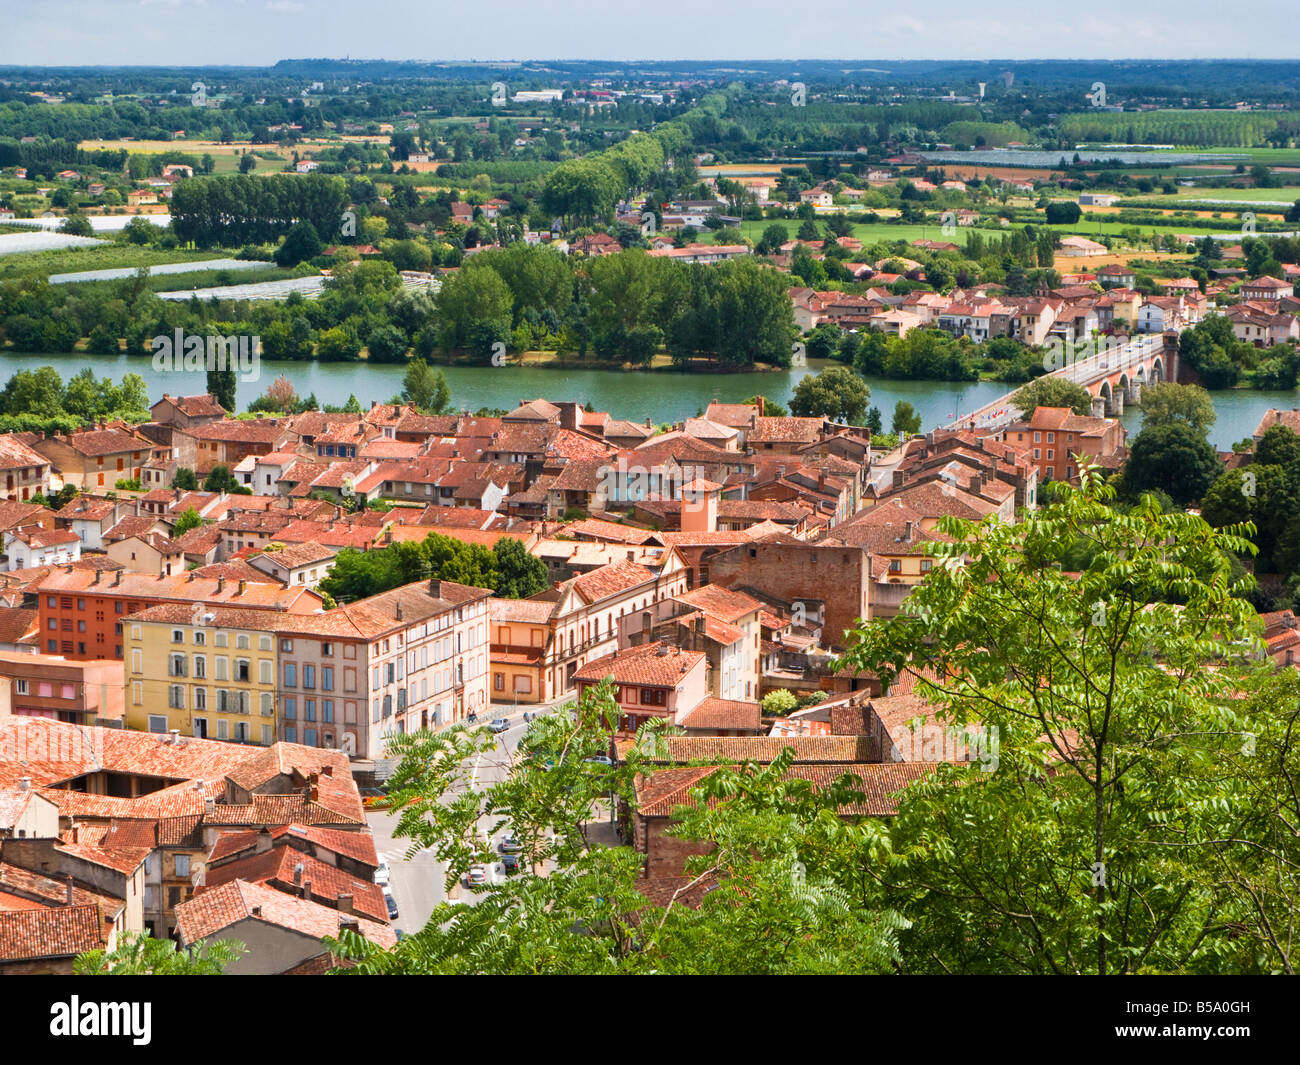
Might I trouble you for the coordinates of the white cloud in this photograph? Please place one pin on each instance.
(285, 7)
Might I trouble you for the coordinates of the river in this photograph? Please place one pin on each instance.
(660, 396)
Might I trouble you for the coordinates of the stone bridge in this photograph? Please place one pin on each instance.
(1115, 376)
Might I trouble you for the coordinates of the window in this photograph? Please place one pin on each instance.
(200, 698)
(264, 643)
(242, 671)
(200, 667)
(182, 865)
(290, 708)
(176, 666)
(895, 565)
(178, 635)
(309, 676)
(265, 671)
(290, 734)
(309, 709)
(242, 642)
(286, 645)
(20, 685)
(327, 650)
(223, 730)
(176, 696)
(157, 723)
(290, 675)
(221, 640)
(654, 697)
(927, 564)
(327, 678)
(498, 681)
(200, 637)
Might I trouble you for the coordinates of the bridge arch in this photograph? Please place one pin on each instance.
(1157, 370)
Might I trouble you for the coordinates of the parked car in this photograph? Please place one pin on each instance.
(510, 863)
(391, 903)
(600, 759)
(510, 845)
(477, 875)
(500, 724)
(381, 873)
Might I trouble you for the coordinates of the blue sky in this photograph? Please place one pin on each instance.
(258, 32)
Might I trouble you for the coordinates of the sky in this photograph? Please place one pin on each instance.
(260, 32)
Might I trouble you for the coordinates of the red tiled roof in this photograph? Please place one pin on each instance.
(643, 665)
(210, 912)
(56, 932)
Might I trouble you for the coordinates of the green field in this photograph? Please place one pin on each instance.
(1288, 194)
(101, 257)
(882, 232)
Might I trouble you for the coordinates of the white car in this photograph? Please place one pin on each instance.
(381, 874)
(477, 875)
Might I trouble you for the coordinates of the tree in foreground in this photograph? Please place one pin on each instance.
(1135, 819)
(139, 954)
(776, 893)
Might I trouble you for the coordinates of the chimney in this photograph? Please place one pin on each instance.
(263, 841)
(907, 535)
(242, 586)
(899, 477)
(345, 903)
(297, 875)
(76, 832)
(349, 924)
(117, 578)
(221, 584)
(399, 611)
(209, 806)
(306, 889)
(24, 783)
(256, 911)
(174, 736)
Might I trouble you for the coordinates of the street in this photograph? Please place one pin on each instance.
(417, 883)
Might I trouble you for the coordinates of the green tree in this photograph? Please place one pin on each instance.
(185, 480)
(302, 242)
(220, 479)
(1052, 392)
(836, 393)
(188, 519)
(425, 388)
(1279, 446)
(224, 384)
(1166, 403)
(1098, 726)
(139, 954)
(906, 422)
(519, 574)
(1172, 458)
